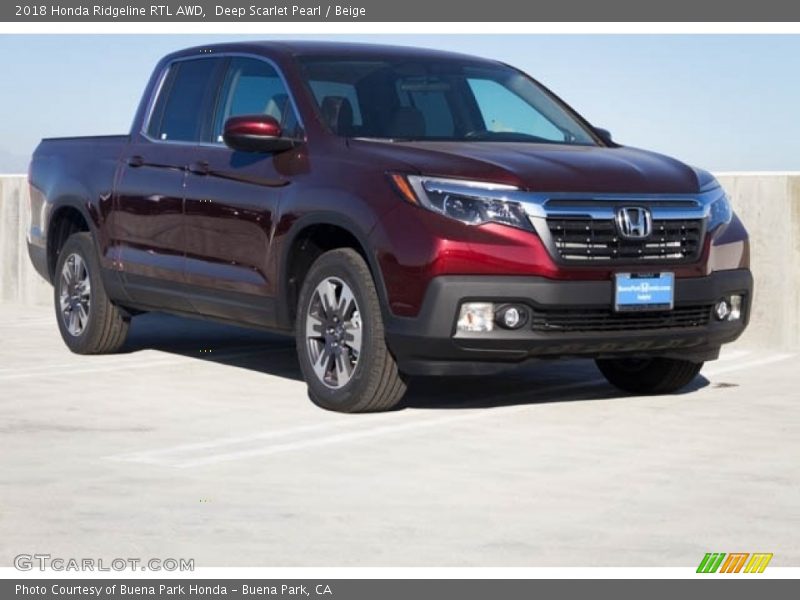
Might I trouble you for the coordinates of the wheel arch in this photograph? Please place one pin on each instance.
(68, 215)
(308, 238)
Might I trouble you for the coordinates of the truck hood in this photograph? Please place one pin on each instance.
(543, 167)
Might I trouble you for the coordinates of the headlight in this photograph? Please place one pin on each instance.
(719, 206)
(721, 212)
(471, 202)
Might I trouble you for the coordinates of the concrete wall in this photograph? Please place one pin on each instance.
(19, 282)
(768, 203)
(769, 206)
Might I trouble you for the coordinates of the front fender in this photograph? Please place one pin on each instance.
(290, 236)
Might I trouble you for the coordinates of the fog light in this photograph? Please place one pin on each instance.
(736, 308)
(722, 310)
(512, 317)
(476, 317)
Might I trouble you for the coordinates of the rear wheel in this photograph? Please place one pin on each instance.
(89, 323)
(340, 338)
(649, 375)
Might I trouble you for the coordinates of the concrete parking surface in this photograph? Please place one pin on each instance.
(199, 442)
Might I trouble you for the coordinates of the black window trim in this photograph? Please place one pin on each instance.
(159, 89)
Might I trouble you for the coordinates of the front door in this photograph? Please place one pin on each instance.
(232, 199)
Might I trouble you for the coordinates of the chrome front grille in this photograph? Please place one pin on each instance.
(581, 239)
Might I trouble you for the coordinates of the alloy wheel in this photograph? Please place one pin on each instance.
(333, 332)
(75, 294)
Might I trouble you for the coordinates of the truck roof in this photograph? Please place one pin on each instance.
(293, 48)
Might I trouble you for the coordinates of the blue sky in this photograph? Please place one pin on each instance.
(723, 102)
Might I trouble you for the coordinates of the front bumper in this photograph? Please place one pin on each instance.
(428, 344)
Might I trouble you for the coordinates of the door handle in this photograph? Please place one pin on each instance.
(198, 168)
(135, 161)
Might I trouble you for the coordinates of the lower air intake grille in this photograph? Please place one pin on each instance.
(583, 240)
(608, 320)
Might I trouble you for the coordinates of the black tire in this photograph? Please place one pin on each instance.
(106, 327)
(374, 383)
(649, 375)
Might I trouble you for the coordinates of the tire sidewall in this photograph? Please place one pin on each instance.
(657, 376)
(80, 244)
(342, 265)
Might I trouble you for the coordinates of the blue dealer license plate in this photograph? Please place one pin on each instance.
(644, 291)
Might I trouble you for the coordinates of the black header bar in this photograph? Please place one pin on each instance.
(402, 11)
(730, 588)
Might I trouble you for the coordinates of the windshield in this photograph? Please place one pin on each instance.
(447, 100)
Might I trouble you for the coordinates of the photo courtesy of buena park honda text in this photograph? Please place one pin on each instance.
(399, 300)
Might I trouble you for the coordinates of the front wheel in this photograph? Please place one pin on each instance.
(649, 375)
(340, 338)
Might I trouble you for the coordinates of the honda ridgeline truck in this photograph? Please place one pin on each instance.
(399, 212)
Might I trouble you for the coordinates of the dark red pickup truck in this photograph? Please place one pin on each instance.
(399, 211)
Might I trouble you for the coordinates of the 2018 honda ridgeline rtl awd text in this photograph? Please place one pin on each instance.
(399, 211)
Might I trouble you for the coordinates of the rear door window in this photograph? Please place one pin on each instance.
(182, 109)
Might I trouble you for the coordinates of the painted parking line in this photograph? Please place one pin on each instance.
(86, 362)
(162, 455)
(109, 364)
(338, 438)
(300, 438)
(104, 364)
(236, 448)
(18, 323)
(733, 354)
(76, 369)
(719, 369)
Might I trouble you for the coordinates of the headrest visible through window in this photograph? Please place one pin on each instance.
(406, 122)
(337, 112)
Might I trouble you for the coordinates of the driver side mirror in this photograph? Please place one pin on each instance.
(255, 133)
(605, 135)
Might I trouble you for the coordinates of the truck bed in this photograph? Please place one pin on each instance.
(72, 171)
(88, 160)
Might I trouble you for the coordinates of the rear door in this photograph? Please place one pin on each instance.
(148, 210)
(232, 198)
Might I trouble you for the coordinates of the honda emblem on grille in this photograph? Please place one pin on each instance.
(634, 222)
